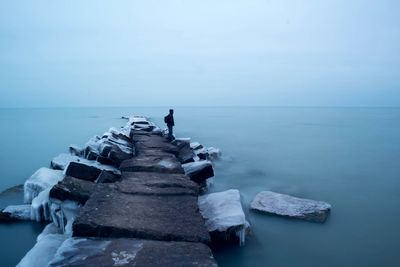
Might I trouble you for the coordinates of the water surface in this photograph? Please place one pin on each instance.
(348, 157)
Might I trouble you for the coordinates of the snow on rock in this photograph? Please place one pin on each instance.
(43, 251)
(289, 206)
(209, 153)
(195, 145)
(61, 162)
(224, 216)
(39, 181)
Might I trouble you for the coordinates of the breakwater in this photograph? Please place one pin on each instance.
(129, 197)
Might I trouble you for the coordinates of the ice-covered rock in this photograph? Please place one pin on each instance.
(19, 212)
(39, 181)
(224, 216)
(209, 153)
(50, 229)
(199, 171)
(63, 213)
(62, 161)
(43, 251)
(40, 207)
(76, 151)
(289, 206)
(195, 145)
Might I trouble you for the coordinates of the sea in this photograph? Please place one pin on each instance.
(346, 156)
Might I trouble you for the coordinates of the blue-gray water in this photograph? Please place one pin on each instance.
(348, 157)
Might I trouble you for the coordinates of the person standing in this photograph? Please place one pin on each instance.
(169, 120)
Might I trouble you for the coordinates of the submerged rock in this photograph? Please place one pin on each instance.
(289, 206)
(131, 252)
(111, 213)
(224, 216)
(199, 171)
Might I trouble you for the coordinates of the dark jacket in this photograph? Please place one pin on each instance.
(169, 120)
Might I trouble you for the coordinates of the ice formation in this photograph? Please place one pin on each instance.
(43, 251)
(63, 214)
(39, 181)
(223, 212)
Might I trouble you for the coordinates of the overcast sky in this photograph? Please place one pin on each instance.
(208, 52)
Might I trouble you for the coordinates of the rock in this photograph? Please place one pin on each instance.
(72, 189)
(186, 155)
(108, 177)
(39, 181)
(111, 213)
(61, 162)
(131, 252)
(117, 156)
(151, 183)
(76, 151)
(293, 207)
(92, 155)
(105, 161)
(82, 171)
(224, 216)
(195, 145)
(163, 164)
(148, 142)
(213, 153)
(199, 171)
(17, 212)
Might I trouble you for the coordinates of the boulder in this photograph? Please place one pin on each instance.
(152, 183)
(163, 164)
(111, 213)
(199, 171)
(108, 177)
(224, 216)
(82, 171)
(117, 156)
(72, 189)
(92, 155)
(195, 145)
(292, 207)
(101, 252)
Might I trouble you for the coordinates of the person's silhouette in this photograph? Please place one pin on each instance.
(169, 120)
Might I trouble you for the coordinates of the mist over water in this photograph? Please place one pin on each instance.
(345, 156)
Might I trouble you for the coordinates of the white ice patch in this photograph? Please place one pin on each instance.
(223, 211)
(20, 212)
(43, 251)
(39, 181)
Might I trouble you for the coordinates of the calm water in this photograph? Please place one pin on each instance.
(349, 157)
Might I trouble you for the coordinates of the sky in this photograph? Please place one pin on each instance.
(61, 53)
